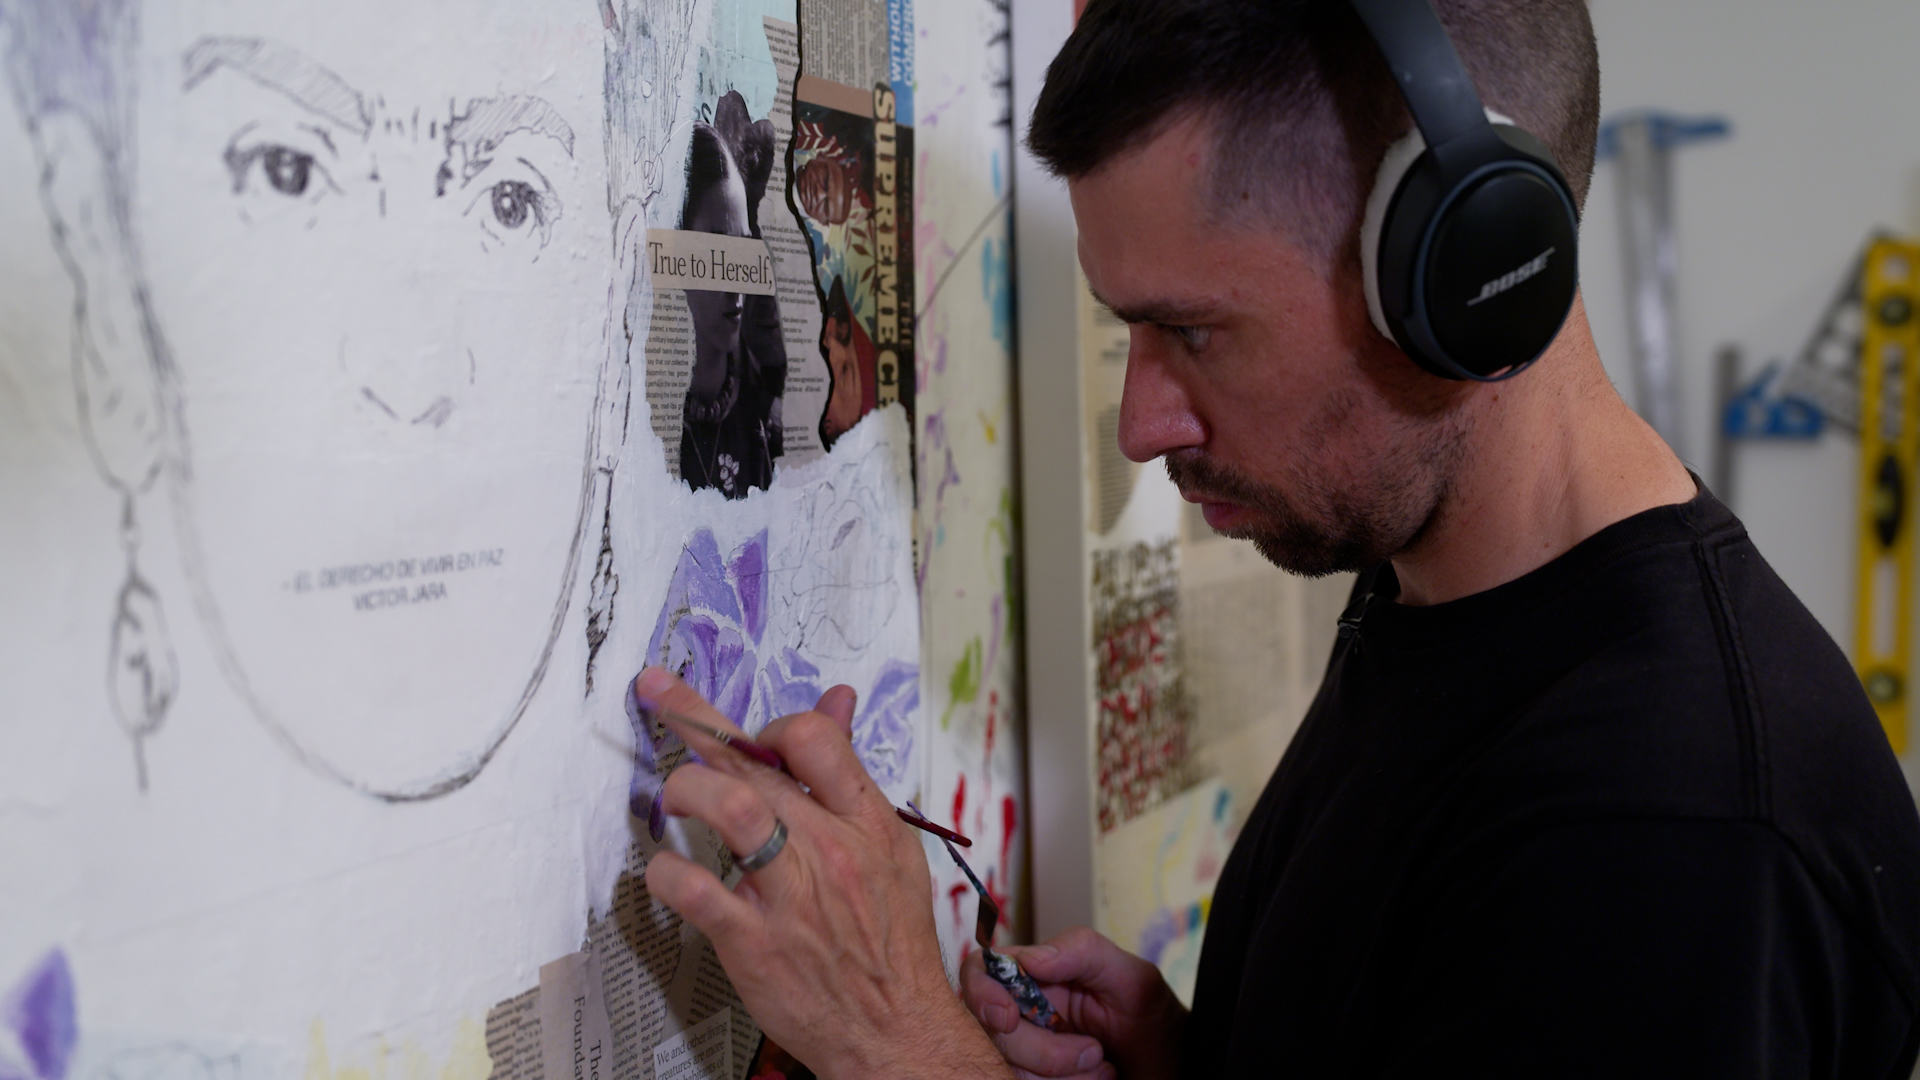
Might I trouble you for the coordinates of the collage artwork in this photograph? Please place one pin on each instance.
(382, 386)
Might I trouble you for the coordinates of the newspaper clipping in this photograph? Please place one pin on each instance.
(783, 298)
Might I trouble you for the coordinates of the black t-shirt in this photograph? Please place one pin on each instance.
(1628, 815)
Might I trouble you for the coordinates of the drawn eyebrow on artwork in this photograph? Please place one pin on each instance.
(284, 70)
(488, 121)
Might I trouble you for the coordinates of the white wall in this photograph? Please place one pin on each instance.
(1824, 99)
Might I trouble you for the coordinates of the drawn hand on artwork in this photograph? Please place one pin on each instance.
(359, 289)
(728, 437)
(38, 1029)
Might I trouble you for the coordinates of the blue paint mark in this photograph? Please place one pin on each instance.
(900, 57)
(41, 1013)
(997, 284)
(999, 181)
(1161, 931)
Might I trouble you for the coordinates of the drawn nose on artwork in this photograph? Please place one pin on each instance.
(416, 385)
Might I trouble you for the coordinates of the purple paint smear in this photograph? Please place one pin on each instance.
(715, 612)
(1161, 931)
(40, 1012)
(883, 732)
(709, 632)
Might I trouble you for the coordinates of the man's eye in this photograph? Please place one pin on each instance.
(513, 202)
(289, 171)
(1193, 337)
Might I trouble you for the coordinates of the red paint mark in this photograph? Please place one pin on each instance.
(954, 893)
(960, 803)
(993, 715)
(1009, 820)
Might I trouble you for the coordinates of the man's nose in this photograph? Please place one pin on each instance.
(1156, 415)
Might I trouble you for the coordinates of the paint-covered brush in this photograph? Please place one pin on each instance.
(1027, 995)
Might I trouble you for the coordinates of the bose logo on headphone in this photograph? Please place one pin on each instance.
(1513, 277)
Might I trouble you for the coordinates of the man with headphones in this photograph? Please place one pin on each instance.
(1585, 791)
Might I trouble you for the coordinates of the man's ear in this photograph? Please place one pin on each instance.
(116, 372)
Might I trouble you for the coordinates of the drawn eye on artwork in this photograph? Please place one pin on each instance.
(513, 211)
(278, 172)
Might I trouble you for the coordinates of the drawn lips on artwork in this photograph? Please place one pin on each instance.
(350, 322)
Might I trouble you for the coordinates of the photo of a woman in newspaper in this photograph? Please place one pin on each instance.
(730, 431)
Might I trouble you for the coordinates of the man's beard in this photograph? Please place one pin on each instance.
(1317, 527)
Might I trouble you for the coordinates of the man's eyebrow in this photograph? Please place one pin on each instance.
(488, 121)
(1167, 312)
(284, 70)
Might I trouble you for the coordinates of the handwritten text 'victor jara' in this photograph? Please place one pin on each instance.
(391, 583)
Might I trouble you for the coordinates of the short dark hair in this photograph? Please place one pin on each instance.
(1301, 103)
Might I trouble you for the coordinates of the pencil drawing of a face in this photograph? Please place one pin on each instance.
(375, 241)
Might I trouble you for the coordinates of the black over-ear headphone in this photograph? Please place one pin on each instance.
(1470, 243)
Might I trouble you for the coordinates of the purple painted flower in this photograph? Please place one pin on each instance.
(709, 632)
(883, 732)
(714, 616)
(788, 689)
(40, 1014)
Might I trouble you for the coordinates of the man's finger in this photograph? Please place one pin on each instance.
(820, 755)
(1106, 1071)
(1046, 1053)
(986, 999)
(700, 897)
(732, 806)
(662, 692)
(1079, 956)
(838, 702)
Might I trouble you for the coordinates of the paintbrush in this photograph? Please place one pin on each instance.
(1027, 995)
(755, 752)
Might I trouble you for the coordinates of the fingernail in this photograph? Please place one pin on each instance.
(657, 817)
(650, 684)
(1001, 1020)
(1088, 1058)
(1042, 953)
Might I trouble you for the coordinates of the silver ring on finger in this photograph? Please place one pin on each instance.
(767, 852)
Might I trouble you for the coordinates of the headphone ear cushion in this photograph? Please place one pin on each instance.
(1400, 160)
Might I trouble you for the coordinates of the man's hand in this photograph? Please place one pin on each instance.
(1122, 1014)
(831, 944)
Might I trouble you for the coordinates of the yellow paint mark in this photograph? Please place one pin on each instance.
(987, 425)
(467, 1058)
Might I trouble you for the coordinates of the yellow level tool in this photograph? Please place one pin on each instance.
(1889, 460)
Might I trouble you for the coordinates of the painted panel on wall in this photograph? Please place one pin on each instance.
(381, 385)
(968, 528)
